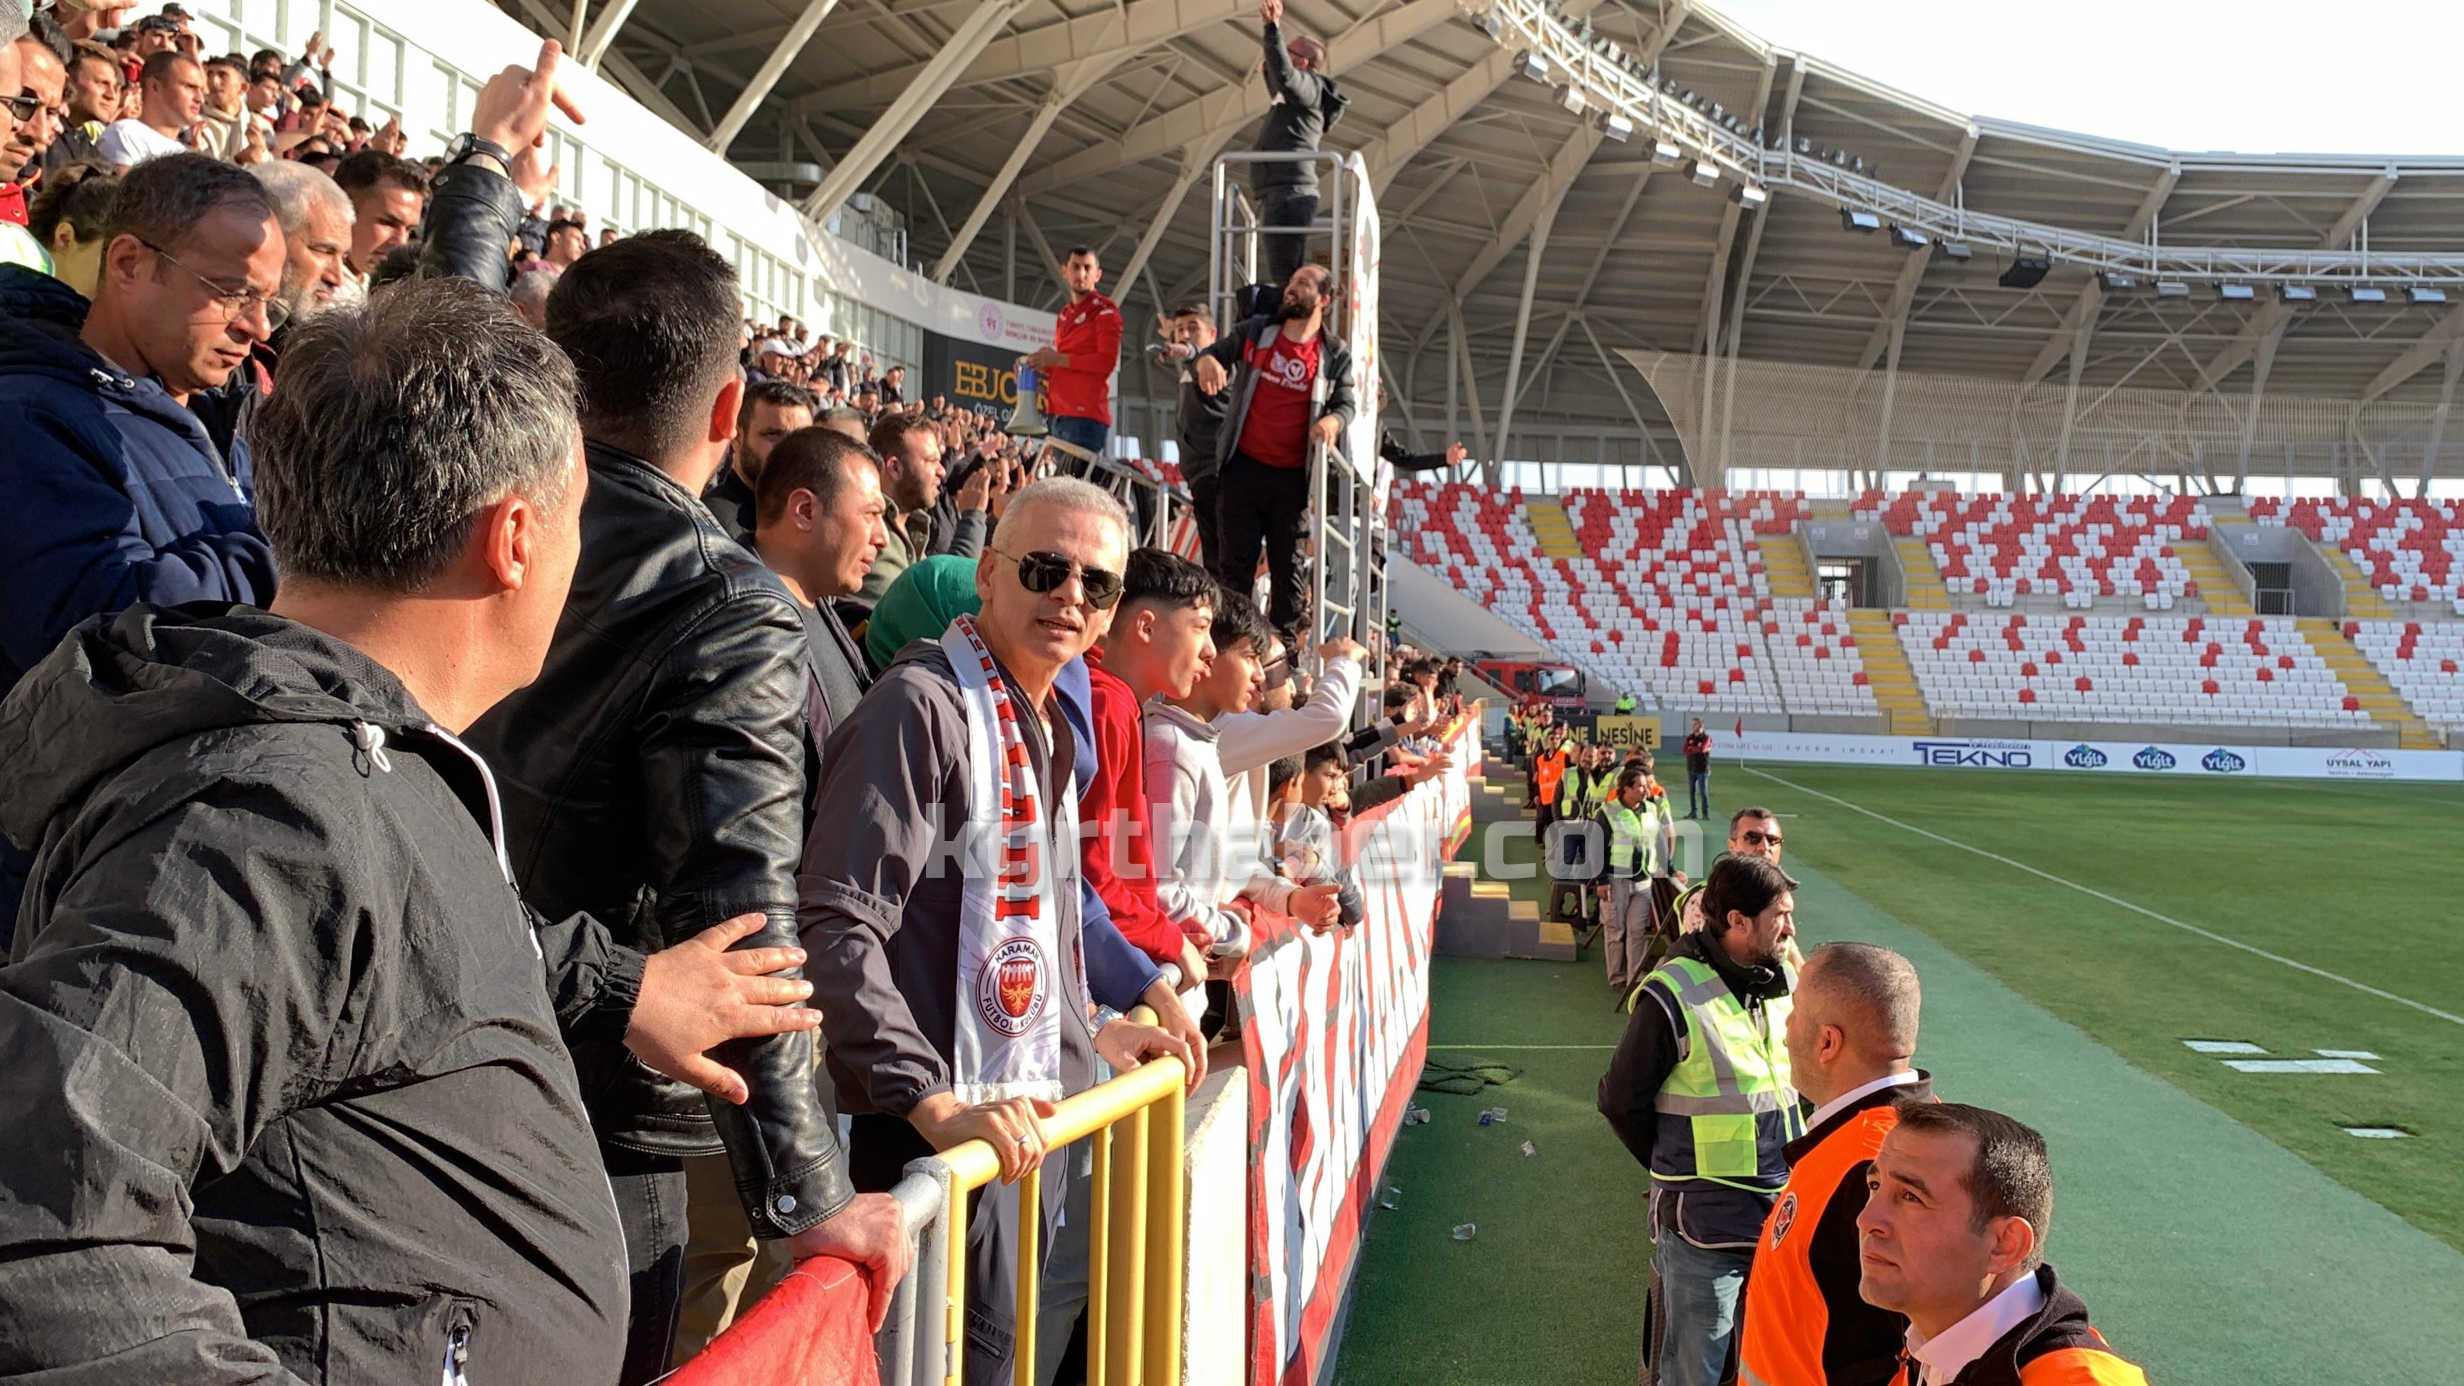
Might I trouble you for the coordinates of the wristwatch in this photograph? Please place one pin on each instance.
(468, 147)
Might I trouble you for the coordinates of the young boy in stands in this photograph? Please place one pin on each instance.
(1204, 873)
(1301, 847)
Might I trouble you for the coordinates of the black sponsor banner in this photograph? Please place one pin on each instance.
(977, 376)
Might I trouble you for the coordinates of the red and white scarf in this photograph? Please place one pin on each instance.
(1018, 984)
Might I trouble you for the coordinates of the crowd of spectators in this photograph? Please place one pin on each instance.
(467, 688)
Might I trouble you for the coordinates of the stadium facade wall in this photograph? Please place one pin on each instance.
(626, 166)
(2181, 759)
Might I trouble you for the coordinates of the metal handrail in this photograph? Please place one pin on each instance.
(1601, 79)
(1137, 1240)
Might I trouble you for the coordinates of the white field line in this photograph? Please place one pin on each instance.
(2208, 934)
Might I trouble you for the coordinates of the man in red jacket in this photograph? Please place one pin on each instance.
(1158, 645)
(1076, 370)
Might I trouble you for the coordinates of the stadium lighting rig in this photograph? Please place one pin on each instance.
(1713, 145)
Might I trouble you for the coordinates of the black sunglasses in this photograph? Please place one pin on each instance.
(1041, 572)
(1754, 837)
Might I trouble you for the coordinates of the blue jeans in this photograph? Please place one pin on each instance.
(1698, 794)
(1699, 1293)
(1080, 433)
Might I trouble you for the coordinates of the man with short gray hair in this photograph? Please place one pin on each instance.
(295, 1090)
(954, 996)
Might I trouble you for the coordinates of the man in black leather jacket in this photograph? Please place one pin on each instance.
(655, 771)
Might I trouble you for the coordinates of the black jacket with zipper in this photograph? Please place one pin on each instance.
(1306, 106)
(287, 1098)
(654, 778)
(1236, 352)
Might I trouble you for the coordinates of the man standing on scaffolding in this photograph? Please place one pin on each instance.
(1306, 106)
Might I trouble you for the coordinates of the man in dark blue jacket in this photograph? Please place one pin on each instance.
(118, 491)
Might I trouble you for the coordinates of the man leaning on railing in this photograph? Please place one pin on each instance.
(940, 906)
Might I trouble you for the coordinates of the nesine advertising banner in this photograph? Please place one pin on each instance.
(1335, 1028)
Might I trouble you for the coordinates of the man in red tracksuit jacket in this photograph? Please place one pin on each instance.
(1076, 370)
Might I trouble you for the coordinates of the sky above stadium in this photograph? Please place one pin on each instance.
(2261, 77)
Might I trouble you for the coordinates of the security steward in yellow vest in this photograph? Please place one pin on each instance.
(1851, 1032)
(1699, 1091)
(1953, 1236)
(1637, 839)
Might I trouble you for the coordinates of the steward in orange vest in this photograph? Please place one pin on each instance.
(1805, 1324)
(2054, 1347)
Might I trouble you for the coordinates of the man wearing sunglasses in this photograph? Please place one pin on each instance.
(949, 974)
(1752, 832)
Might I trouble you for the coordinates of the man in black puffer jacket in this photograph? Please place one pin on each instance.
(288, 1100)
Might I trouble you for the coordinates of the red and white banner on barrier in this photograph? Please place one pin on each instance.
(1335, 1027)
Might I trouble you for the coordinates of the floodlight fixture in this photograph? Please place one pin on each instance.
(1857, 164)
(2366, 293)
(2236, 293)
(2172, 288)
(1533, 65)
(1704, 173)
(1909, 238)
(1804, 145)
(1665, 153)
(1616, 126)
(1491, 22)
(2297, 293)
(1750, 196)
(1572, 99)
(1955, 250)
(2118, 281)
(2026, 271)
(1852, 219)
(2424, 294)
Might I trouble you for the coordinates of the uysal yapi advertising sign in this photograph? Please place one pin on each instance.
(2196, 760)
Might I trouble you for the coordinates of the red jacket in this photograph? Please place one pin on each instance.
(1115, 811)
(1089, 334)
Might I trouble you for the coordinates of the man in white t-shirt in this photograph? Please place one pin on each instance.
(172, 87)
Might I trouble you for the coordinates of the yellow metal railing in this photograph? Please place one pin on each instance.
(1136, 1238)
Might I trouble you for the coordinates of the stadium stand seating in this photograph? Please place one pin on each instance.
(2408, 549)
(1664, 596)
(2423, 661)
(2002, 547)
(2252, 672)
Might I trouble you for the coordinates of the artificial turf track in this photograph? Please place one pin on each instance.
(2222, 1226)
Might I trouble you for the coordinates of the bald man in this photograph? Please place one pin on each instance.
(1851, 1050)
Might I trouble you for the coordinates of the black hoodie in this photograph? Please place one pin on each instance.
(286, 1092)
(1306, 106)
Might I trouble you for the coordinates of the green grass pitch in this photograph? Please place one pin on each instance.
(2224, 1226)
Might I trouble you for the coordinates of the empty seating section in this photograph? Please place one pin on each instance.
(2423, 661)
(1665, 598)
(2002, 547)
(2410, 550)
(2244, 671)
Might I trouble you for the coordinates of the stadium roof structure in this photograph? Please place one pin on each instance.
(2192, 306)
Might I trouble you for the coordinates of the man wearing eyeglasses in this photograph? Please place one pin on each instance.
(940, 907)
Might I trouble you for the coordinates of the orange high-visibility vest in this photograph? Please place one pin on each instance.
(1547, 771)
(1786, 1317)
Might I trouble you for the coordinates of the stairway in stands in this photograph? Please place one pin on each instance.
(1924, 580)
(1783, 561)
(2216, 586)
(1888, 673)
(2362, 679)
(2361, 601)
(1551, 527)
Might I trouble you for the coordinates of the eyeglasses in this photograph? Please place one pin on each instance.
(1041, 572)
(234, 303)
(1753, 837)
